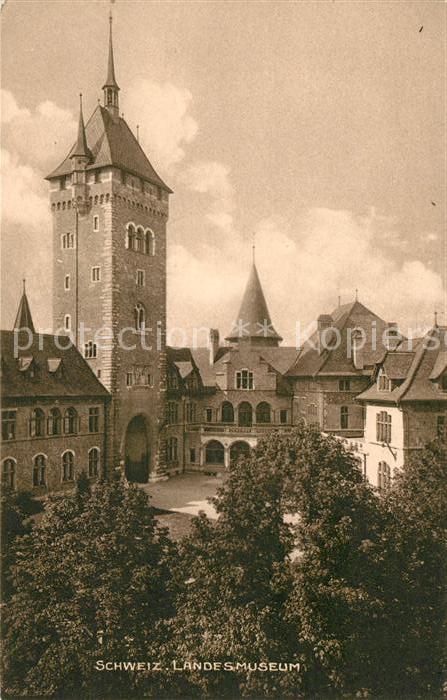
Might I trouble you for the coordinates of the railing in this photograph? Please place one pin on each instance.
(232, 428)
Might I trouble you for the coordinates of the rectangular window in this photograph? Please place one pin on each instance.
(344, 385)
(96, 223)
(192, 454)
(172, 412)
(140, 278)
(383, 427)
(67, 322)
(129, 379)
(98, 374)
(67, 283)
(90, 350)
(244, 379)
(383, 383)
(441, 427)
(344, 417)
(208, 415)
(8, 425)
(283, 416)
(93, 419)
(191, 412)
(96, 274)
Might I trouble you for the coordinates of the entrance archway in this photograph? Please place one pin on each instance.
(137, 450)
(239, 449)
(214, 452)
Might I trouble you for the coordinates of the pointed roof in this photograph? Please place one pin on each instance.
(24, 318)
(111, 142)
(80, 149)
(111, 80)
(253, 321)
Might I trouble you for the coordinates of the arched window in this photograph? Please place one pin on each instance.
(227, 412)
(130, 236)
(383, 476)
(140, 317)
(214, 452)
(139, 240)
(93, 462)
(68, 466)
(109, 97)
(263, 412)
(70, 421)
(245, 414)
(37, 423)
(39, 470)
(9, 472)
(172, 450)
(67, 322)
(149, 242)
(344, 417)
(54, 422)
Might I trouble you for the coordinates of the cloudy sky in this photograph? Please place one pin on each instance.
(317, 128)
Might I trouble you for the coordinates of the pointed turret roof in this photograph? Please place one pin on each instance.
(24, 318)
(111, 80)
(253, 321)
(80, 149)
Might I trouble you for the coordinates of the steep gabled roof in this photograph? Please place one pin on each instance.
(74, 377)
(419, 383)
(253, 320)
(311, 362)
(111, 142)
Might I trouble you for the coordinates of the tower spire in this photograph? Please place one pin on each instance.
(111, 87)
(80, 149)
(24, 319)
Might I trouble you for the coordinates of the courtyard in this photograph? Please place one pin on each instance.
(182, 497)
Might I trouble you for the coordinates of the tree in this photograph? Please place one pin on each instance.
(16, 508)
(92, 582)
(415, 575)
(236, 581)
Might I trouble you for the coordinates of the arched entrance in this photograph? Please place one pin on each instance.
(136, 450)
(239, 449)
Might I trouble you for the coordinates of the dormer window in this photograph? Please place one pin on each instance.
(140, 317)
(383, 382)
(54, 364)
(25, 363)
(244, 379)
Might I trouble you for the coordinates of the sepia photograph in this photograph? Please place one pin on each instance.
(223, 349)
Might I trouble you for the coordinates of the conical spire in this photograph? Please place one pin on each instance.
(23, 318)
(80, 149)
(111, 80)
(253, 322)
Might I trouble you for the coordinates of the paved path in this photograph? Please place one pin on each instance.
(182, 497)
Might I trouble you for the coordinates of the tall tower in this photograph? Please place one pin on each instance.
(109, 210)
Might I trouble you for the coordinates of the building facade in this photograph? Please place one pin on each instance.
(55, 411)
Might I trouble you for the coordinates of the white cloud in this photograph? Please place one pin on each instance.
(430, 237)
(162, 111)
(24, 199)
(303, 270)
(213, 178)
(42, 137)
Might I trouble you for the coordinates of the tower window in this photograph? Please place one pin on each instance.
(140, 317)
(138, 240)
(140, 278)
(149, 242)
(67, 283)
(96, 223)
(96, 274)
(130, 237)
(67, 241)
(67, 322)
(129, 378)
(90, 350)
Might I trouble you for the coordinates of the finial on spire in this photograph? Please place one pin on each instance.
(24, 285)
(436, 319)
(138, 133)
(356, 294)
(339, 301)
(80, 149)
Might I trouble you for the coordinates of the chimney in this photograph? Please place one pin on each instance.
(213, 344)
(324, 321)
(392, 336)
